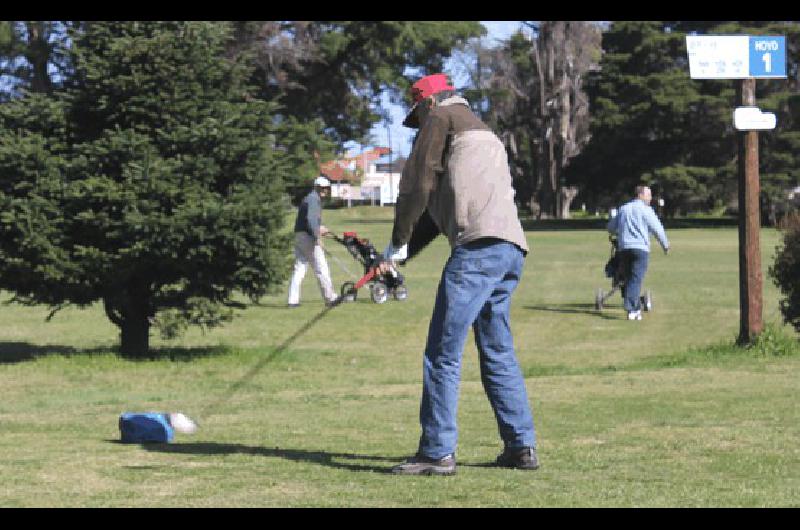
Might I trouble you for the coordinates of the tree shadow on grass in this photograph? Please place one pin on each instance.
(576, 309)
(16, 352)
(175, 354)
(323, 458)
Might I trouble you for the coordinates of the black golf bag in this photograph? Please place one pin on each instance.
(381, 286)
(618, 268)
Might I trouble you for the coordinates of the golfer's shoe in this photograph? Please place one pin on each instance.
(292, 305)
(519, 458)
(635, 315)
(422, 465)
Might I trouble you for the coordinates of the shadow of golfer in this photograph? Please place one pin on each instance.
(576, 309)
(323, 458)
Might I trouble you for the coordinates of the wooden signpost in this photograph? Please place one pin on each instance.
(745, 58)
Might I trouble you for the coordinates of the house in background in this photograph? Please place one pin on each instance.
(383, 180)
(363, 179)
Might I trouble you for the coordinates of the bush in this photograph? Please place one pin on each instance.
(774, 342)
(785, 271)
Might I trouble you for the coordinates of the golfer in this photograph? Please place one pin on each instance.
(633, 224)
(456, 181)
(308, 229)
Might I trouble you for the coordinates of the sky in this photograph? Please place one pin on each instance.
(401, 136)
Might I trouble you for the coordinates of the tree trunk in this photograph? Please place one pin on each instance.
(562, 148)
(546, 189)
(38, 55)
(568, 194)
(135, 337)
(552, 172)
(552, 120)
(537, 148)
(129, 311)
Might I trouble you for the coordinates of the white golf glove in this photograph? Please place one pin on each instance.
(396, 254)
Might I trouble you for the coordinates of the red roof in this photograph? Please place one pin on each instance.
(339, 169)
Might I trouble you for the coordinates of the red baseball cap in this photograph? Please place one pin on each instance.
(429, 85)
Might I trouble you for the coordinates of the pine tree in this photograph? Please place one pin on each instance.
(153, 182)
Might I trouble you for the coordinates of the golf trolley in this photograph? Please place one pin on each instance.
(617, 268)
(381, 286)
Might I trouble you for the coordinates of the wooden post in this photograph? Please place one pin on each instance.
(750, 280)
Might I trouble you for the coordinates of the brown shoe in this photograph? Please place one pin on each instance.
(519, 458)
(422, 465)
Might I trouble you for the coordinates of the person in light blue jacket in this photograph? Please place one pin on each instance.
(633, 225)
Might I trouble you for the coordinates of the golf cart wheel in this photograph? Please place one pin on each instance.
(401, 293)
(598, 300)
(348, 292)
(647, 301)
(379, 293)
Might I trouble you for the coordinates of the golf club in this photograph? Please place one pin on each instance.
(142, 427)
(213, 408)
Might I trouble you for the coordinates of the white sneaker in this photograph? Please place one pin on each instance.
(635, 315)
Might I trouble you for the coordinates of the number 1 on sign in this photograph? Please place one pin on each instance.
(767, 66)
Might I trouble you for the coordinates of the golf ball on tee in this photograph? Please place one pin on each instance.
(182, 423)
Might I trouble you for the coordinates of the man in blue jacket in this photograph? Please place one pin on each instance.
(633, 225)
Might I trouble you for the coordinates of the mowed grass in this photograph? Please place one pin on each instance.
(662, 412)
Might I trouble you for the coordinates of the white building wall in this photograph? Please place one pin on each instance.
(377, 187)
(385, 186)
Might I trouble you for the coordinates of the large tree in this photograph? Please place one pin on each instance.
(530, 90)
(651, 123)
(151, 183)
(337, 70)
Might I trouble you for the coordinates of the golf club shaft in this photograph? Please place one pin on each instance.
(211, 410)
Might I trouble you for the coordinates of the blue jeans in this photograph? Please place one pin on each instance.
(475, 290)
(636, 268)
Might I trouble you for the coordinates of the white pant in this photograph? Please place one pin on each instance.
(306, 250)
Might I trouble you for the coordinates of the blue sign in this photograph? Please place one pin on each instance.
(767, 56)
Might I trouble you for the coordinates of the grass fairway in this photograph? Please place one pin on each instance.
(662, 412)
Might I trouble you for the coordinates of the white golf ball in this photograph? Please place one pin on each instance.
(182, 423)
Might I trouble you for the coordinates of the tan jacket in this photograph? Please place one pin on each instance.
(458, 170)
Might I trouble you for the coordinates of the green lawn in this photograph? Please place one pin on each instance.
(662, 412)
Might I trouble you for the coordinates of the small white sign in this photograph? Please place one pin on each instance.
(718, 56)
(753, 119)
